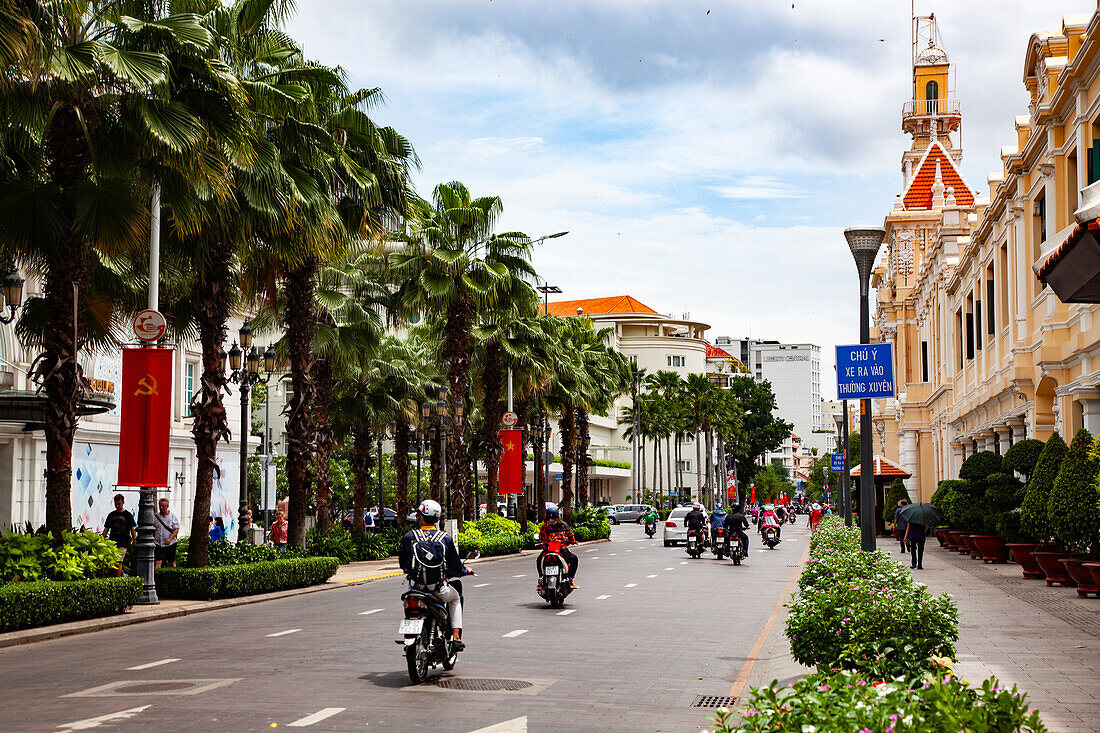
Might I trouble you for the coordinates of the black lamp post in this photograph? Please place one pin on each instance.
(864, 243)
(13, 294)
(441, 427)
(547, 457)
(244, 370)
(459, 416)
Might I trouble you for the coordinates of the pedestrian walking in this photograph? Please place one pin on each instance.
(166, 530)
(119, 527)
(279, 531)
(900, 523)
(914, 536)
(217, 531)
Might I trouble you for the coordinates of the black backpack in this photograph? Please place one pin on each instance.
(428, 556)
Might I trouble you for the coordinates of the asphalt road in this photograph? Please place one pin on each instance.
(648, 631)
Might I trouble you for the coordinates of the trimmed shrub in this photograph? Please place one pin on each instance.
(951, 498)
(1035, 521)
(1009, 526)
(494, 524)
(895, 494)
(1002, 493)
(1072, 507)
(978, 466)
(229, 581)
(492, 545)
(76, 556)
(1022, 457)
(25, 605)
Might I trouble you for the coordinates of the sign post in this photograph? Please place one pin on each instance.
(836, 462)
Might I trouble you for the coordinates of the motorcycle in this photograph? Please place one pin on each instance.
(427, 633)
(720, 543)
(791, 518)
(651, 529)
(695, 542)
(554, 583)
(736, 550)
(770, 536)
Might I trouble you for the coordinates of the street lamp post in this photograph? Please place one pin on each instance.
(441, 414)
(864, 243)
(244, 368)
(547, 457)
(419, 450)
(846, 486)
(381, 521)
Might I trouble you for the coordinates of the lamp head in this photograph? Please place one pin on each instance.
(235, 357)
(13, 288)
(245, 334)
(253, 361)
(426, 411)
(864, 242)
(270, 359)
(459, 408)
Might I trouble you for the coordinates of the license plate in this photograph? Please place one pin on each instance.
(553, 570)
(411, 626)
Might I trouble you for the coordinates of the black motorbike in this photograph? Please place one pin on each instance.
(736, 550)
(427, 632)
(650, 529)
(720, 543)
(554, 583)
(770, 536)
(696, 542)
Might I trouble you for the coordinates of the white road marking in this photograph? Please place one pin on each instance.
(631, 585)
(284, 633)
(612, 554)
(317, 717)
(685, 562)
(97, 721)
(651, 576)
(630, 550)
(592, 550)
(514, 634)
(482, 585)
(670, 568)
(150, 665)
(567, 612)
(600, 598)
(640, 540)
(373, 610)
(521, 575)
(515, 725)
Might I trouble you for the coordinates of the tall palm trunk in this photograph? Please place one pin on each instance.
(322, 408)
(300, 321)
(456, 352)
(581, 440)
(401, 468)
(362, 461)
(435, 466)
(704, 488)
(658, 479)
(568, 450)
(668, 466)
(709, 435)
(211, 424)
(641, 465)
(540, 483)
(492, 375)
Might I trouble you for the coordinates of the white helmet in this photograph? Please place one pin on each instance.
(430, 510)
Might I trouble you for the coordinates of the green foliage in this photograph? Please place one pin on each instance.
(863, 611)
(846, 701)
(1002, 493)
(895, 494)
(494, 524)
(76, 556)
(230, 581)
(338, 543)
(1036, 521)
(589, 532)
(978, 466)
(762, 429)
(771, 482)
(1072, 507)
(24, 605)
(951, 498)
(1022, 457)
(1009, 526)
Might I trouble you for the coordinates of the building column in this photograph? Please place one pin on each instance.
(1090, 414)
(1003, 439)
(908, 451)
(987, 441)
(958, 455)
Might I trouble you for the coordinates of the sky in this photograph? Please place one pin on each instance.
(705, 157)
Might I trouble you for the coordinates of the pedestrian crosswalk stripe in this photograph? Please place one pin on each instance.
(316, 717)
(567, 612)
(284, 633)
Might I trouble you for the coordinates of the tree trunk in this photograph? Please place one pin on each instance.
(704, 488)
(456, 353)
(322, 466)
(720, 490)
(641, 466)
(658, 475)
(401, 468)
(540, 484)
(300, 321)
(580, 441)
(493, 410)
(215, 299)
(362, 461)
(568, 451)
(668, 467)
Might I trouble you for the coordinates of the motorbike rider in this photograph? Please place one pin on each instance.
(555, 536)
(650, 517)
(736, 524)
(696, 520)
(427, 517)
(768, 518)
(717, 519)
(781, 514)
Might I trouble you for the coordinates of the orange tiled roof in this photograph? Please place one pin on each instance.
(713, 352)
(919, 194)
(599, 306)
(885, 467)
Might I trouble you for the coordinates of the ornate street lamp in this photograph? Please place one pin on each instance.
(244, 370)
(865, 243)
(13, 294)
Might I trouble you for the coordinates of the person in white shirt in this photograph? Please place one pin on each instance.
(166, 528)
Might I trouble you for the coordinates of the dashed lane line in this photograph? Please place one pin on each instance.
(514, 634)
(284, 633)
(651, 576)
(482, 585)
(685, 562)
(521, 575)
(101, 719)
(612, 554)
(600, 598)
(631, 585)
(670, 568)
(592, 550)
(316, 717)
(567, 612)
(372, 611)
(150, 665)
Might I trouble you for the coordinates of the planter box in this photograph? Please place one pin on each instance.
(991, 548)
(1094, 570)
(953, 541)
(1055, 571)
(967, 544)
(1085, 583)
(1024, 554)
(941, 536)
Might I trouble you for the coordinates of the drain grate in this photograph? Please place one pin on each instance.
(714, 701)
(481, 684)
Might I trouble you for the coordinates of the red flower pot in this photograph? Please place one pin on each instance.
(1094, 570)
(967, 544)
(991, 548)
(941, 536)
(951, 539)
(1077, 571)
(1024, 553)
(1055, 570)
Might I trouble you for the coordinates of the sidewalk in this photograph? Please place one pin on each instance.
(1046, 641)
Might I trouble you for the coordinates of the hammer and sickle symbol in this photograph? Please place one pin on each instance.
(147, 385)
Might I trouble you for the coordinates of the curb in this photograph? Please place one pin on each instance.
(72, 628)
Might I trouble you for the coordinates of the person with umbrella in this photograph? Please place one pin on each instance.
(899, 523)
(917, 517)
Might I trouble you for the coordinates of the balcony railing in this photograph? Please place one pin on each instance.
(930, 107)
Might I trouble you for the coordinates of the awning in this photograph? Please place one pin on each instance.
(885, 468)
(1072, 270)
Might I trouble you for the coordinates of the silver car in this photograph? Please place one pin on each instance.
(675, 531)
(629, 513)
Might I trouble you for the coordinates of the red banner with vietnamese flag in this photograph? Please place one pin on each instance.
(731, 487)
(146, 417)
(753, 499)
(510, 473)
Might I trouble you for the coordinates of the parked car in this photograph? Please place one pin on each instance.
(610, 509)
(629, 513)
(389, 519)
(674, 526)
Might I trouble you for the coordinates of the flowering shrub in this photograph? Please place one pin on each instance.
(845, 702)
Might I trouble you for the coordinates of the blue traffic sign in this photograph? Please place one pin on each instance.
(837, 462)
(865, 371)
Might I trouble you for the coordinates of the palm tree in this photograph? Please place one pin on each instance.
(667, 384)
(453, 267)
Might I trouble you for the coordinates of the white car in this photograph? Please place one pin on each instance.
(675, 531)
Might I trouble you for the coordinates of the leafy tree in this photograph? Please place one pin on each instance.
(762, 430)
(896, 493)
(771, 482)
(853, 450)
(1022, 457)
(1035, 519)
(976, 467)
(1072, 507)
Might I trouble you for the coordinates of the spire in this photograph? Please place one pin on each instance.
(937, 189)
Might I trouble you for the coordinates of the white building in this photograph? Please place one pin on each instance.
(794, 371)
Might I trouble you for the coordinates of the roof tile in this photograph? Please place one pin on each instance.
(598, 306)
(919, 194)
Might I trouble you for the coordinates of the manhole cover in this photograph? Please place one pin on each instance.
(714, 701)
(481, 685)
(154, 687)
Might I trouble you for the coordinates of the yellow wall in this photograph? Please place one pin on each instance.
(924, 74)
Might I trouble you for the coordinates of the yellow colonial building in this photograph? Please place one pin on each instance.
(988, 354)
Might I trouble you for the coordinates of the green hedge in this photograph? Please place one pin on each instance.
(1072, 506)
(231, 581)
(42, 602)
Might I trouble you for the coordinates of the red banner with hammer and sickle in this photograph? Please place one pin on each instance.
(511, 462)
(146, 417)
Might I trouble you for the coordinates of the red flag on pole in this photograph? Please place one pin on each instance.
(511, 462)
(753, 499)
(146, 417)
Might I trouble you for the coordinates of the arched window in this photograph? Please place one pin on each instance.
(932, 94)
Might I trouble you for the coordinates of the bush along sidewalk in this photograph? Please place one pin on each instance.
(231, 581)
(883, 647)
(42, 602)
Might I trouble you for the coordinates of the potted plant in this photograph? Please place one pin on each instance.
(1072, 509)
(1034, 524)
